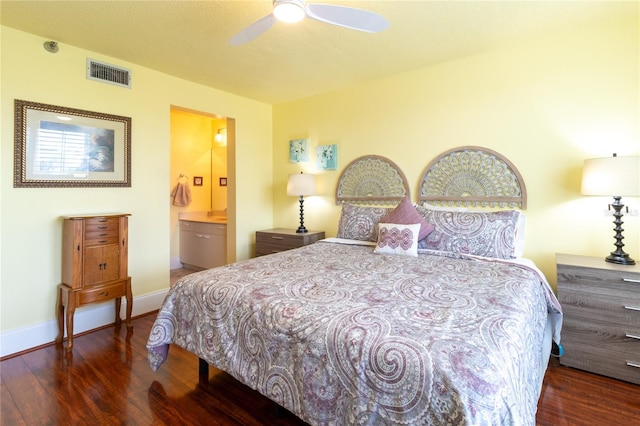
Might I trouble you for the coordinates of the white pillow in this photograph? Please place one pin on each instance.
(394, 238)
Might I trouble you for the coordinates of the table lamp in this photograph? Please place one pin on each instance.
(613, 176)
(300, 185)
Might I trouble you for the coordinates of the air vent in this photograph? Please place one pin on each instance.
(99, 71)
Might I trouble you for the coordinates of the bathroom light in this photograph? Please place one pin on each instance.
(221, 136)
(289, 11)
(613, 176)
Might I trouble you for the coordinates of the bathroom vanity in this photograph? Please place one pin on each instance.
(203, 241)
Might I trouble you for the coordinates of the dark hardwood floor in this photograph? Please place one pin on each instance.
(107, 381)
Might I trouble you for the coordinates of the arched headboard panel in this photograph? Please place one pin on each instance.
(472, 176)
(372, 179)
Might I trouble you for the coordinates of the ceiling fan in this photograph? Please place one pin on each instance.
(291, 11)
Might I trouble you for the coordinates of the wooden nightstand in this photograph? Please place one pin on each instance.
(94, 267)
(601, 327)
(274, 240)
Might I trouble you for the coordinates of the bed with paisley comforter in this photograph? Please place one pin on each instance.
(412, 315)
(338, 334)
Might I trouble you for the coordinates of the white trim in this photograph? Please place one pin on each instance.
(85, 319)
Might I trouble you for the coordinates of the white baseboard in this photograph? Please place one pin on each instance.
(85, 319)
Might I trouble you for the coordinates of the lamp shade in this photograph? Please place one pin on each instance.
(611, 176)
(301, 184)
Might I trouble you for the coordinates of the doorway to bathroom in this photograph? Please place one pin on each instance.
(199, 174)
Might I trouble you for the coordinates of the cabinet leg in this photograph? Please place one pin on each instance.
(60, 316)
(129, 296)
(71, 310)
(118, 304)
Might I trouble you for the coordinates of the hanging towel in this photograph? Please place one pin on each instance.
(181, 195)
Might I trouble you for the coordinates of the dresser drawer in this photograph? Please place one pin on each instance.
(601, 325)
(101, 293)
(101, 223)
(101, 231)
(101, 238)
(600, 281)
(605, 335)
(621, 308)
(608, 362)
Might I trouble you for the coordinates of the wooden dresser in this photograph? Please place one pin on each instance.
(94, 267)
(281, 239)
(601, 304)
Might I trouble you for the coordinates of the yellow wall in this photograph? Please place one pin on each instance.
(546, 106)
(29, 221)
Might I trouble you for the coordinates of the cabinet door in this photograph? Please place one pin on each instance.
(111, 263)
(218, 250)
(101, 264)
(92, 265)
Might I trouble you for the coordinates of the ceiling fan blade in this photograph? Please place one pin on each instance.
(348, 17)
(253, 30)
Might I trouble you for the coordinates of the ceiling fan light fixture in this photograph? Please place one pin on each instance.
(289, 11)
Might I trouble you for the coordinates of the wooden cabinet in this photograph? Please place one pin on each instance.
(203, 245)
(94, 267)
(280, 239)
(601, 327)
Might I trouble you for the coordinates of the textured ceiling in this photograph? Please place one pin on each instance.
(189, 39)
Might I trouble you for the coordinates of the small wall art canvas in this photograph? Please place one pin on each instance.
(327, 157)
(298, 150)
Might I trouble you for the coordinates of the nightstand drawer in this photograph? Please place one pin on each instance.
(623, 308)
(605, 335)
(279, 239)
(601, 282)
(101, 293)
(579, 353)
(601, 306)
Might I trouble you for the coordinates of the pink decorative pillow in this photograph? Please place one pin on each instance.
(405, 213)
(394, 238)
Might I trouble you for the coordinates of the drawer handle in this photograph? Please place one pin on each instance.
(102, 241)
(104, 293)
(633, 364)
(202, 236)
(102, 227)
(629, 280)
(632, 336)
(277, 238)
(632, 308)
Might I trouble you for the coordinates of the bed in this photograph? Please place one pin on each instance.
(377, 326)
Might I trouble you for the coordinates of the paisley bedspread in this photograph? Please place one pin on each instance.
(340, 335)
